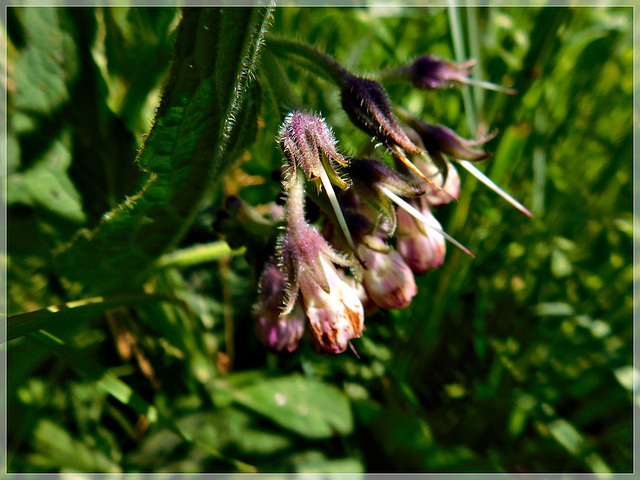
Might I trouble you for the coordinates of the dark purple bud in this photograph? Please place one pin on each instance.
(431, 72)
(442, 140)
(308, 143)
(368, 107)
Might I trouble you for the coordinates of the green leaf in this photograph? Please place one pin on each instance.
(47, 185)
(62, 451)
(47, 66)
(308, 407)
(71, 313)
(122, 392)
(195, 127)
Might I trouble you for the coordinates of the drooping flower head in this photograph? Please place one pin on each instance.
(333, 308)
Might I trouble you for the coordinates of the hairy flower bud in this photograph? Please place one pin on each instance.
(368, 107)
(388, 280)
(308, 143)
(427, 72)
(420, 248)
(276, 331)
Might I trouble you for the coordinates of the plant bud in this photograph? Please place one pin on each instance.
(304, 138)
(388, 280)
(420, 248)
(368, 107)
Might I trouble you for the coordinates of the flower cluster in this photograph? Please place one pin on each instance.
(377, 230)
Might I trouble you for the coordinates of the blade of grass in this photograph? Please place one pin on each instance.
(458, 46)
(123, 393)
(70, 312)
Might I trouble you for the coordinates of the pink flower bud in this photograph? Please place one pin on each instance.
(387, 279)
(421, 249)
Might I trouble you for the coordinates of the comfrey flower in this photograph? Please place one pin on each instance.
(310, 285)
(387, 279)
(333, 308)
(421, 249)
(276, 331)
(450, 187)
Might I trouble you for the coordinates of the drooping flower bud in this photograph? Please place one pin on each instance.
(368, 107)
(308, 143)
(422, 249)
(333, 308)
(387, 279)
(276, 331)
(432, 72)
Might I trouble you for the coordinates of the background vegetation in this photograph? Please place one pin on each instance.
(516, 361)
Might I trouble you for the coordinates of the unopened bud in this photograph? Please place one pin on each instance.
(387, 279)
(421, 249)
(368, 107)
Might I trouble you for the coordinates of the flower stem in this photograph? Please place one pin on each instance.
(307, 57)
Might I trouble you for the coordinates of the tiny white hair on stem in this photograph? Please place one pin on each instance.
(411, 210)
(473, 170)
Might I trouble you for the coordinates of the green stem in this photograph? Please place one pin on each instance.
(208, 252)
(307, 57)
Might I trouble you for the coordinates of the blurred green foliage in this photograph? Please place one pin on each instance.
(516, 361)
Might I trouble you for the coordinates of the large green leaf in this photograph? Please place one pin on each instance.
(202, 107)
(308, 407)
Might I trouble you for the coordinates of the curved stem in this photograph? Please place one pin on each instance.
(307, 57)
